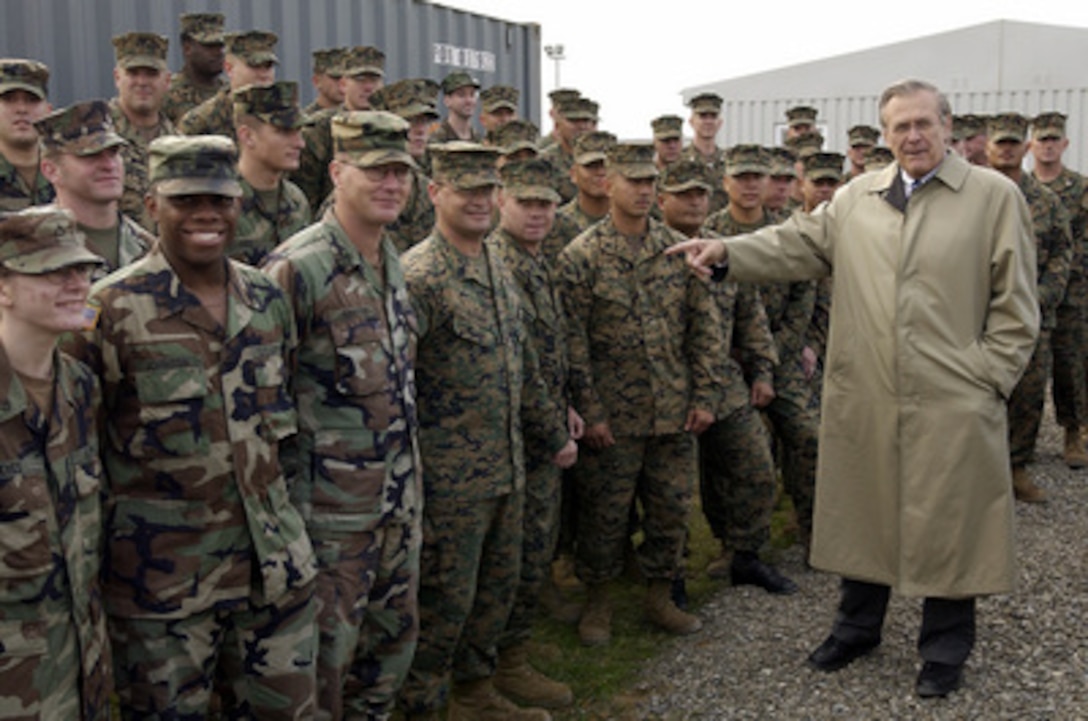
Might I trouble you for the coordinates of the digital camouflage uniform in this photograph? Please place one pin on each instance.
(328, 62)
(312, 176)
(215, 116)
(715, 165)
(562, 159)
(570, 218)
(134, 153)
(417, 219)
(184, 93)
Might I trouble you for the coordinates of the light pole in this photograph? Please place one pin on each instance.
(555, 52)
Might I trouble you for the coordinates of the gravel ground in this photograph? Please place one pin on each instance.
(1030, 660)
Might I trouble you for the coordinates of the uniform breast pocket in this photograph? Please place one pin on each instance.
(25, 506)
(171, 401)
(263, 367)
(362, 354)
(475, 330)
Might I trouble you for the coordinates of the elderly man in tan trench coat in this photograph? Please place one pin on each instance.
(933, 320)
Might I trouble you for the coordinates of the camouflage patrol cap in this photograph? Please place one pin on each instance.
(275, 104)
(408, 98)
(458, 79)
(255, 47)
(364, 60)
(515, 136)
(140, 50)
(685, 175)
(783, 162)
(464, 165)
(559, 95)
(632, 160)
(205, 28)
(741, 159)
(593, 146)
(499, 96)
(1046, 126)
(806, 143)
(1007, 126)
(667, 127)
(957, 128)
(193, 165)
(820, 166)
(578, 109)
(371, 137)
(80, 129)
(862, 135)
(878, 157)
(327, 61)
(801, 115)
(973, 125)
(706, 103)
(21, 74)
(42, 239)
(529, 180)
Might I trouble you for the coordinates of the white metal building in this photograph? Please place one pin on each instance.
(989, 68)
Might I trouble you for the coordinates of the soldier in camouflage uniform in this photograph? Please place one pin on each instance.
(328, 68)
(574, 117)
(81, 157)
(803, 145)
(208, 569)
(974, 138)
(516, 140)
(1006, 147)
(460, 92)
(202, 45)
(268, 121)
(668, 133)
(591, 203)
(781, 182)
(480, 393)
(800, 119)
(878, 157)
(557, 97)
(859, 139)
(357, 453)
(498, 106)
(737, 476)
(1069, 339)
(142, 80)
(54, 650)
(645, 356)
(251, 60)
(527, 205)
(706, 122)
(23, 87)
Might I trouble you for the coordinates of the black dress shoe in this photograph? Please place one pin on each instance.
(748, 570)
(938, 679)
(833, 654)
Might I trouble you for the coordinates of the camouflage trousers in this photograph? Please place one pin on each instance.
(469, 572)
(264, 655)
(796, 426)
(659, 471)
(367, 617)
(541, 534)
(737, 480)
(1025, 407)
(1069, 348)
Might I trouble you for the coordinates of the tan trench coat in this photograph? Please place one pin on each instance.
(933, 319)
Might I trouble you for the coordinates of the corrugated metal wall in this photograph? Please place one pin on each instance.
(420, 39)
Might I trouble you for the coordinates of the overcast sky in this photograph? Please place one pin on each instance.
(635, 62)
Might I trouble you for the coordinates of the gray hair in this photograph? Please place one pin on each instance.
(910, 87)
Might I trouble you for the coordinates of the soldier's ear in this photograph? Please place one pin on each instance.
(49, 169)
(151, 204)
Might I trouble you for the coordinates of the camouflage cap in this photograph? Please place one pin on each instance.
(20, 74)
(957, 128)
(632, 160)
(458, 79)
(1045, 126)
(806, 143)
(593, 146)
(878, 157)
(140, 50)
(783, 162)
(531, 179)
(558, 95)
(409, 98)
(667, 127)
(275, 104)
(41, 239)
(499, 96)
(578, 109)
(819, 166)
(862, 135)
(371, 137)
(328, 61)
(193, 165)
(205, 28)
(686, 175)
(255, 47)
(514, 136)
(741, 159)
(801, 115)
(706, 103)
(464, 165)
(80, 129)
(364, 60)
(973, 125)
(1007, 126)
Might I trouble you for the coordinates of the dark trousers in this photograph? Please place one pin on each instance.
(948, 625)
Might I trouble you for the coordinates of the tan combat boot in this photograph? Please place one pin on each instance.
(479, 701)
(662, 612)
(1074, 453)
(718, 569)
(521, 683)
(560, 607)
(563, 575)
(595, 627)
(1024, 488)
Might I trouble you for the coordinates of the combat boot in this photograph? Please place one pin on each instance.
(718, 569)
(563, 575)
(479, 701)
(595, 627)
(662, 612)
(518, 681)
(1024, 488)
(1074, 454)
(560, 607)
